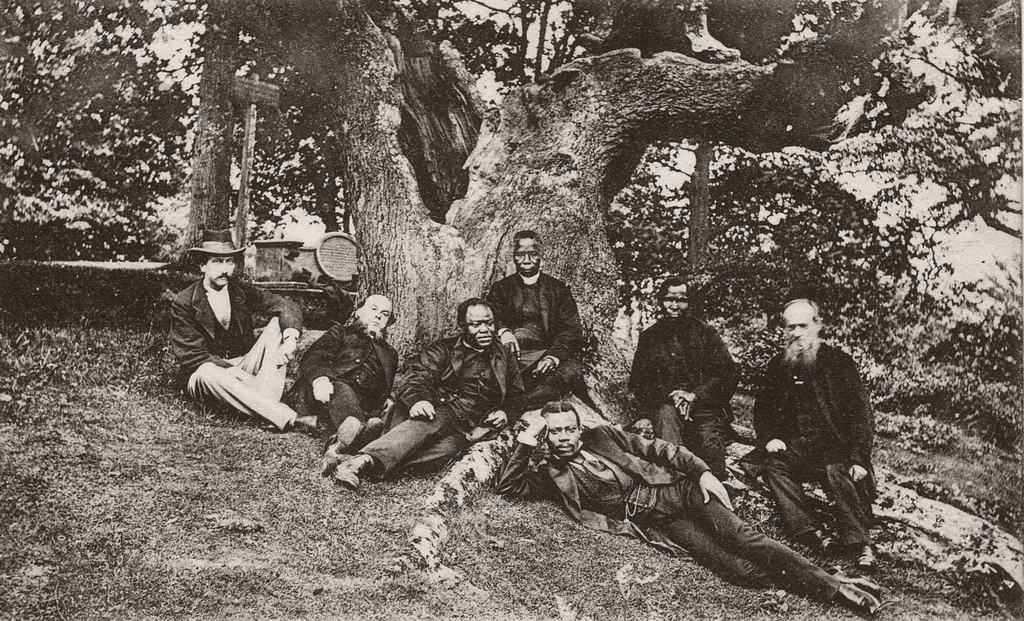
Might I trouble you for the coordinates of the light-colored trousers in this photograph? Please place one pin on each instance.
(253, 384)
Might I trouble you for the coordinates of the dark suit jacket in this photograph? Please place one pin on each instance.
(197, 338)
(433, 377)
(559, 315)
(687, 354)
(654, 462)
(842, 400)
(336, 353)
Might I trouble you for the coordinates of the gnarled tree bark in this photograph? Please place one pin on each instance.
(551, 160)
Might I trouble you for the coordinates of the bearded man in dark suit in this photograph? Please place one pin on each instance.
(345, 377)
(814, 422)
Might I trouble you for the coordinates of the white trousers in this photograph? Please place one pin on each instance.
(253, 384)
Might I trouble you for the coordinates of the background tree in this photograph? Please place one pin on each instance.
(90, 129)
(213, 147)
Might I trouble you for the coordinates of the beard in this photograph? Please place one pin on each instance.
(802, 353)
(365, 329)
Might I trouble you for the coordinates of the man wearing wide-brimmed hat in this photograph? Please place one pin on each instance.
(213, 337)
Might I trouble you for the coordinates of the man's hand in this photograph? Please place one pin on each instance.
(496, 419)
(679, 397)
(546, 365)
(286, 352)
(509, 340)
(423, 410)
(711, 486)
(857, 473)
(532, 434)
(323, 388)
(774, 446)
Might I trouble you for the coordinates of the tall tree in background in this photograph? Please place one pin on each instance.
(211, 194)
(91, 132)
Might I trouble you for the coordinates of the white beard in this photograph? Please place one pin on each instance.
(803, 353)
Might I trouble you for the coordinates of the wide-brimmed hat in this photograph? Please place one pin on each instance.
(217, 244)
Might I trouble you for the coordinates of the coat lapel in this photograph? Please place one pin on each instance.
(204, 312)
(515, 312)
(239, 310)
(543, 294)
(566, 484)
(499, 367)
(386, 361)
(455, 361)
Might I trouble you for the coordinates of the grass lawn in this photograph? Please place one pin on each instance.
(120, 499)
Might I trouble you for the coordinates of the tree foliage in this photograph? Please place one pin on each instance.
(91, 131)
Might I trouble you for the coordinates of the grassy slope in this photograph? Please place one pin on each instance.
(119, 499)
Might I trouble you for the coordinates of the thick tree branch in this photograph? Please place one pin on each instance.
(993, 221)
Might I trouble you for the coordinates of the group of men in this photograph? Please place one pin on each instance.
(519, 348)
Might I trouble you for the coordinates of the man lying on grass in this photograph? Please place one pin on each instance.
(661, 493)
(213, 337)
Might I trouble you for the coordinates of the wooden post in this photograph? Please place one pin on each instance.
(248, 143)
(249, 91)
(700, 207)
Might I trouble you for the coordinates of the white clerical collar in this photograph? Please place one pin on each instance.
(465, 343)
(530, 280)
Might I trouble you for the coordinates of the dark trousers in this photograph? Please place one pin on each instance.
(418, 443)
(565, 379)
(726, 545)
(704, 435)
(343, 404)
(785, 470)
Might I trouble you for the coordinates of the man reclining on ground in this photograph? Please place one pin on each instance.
(661, 493)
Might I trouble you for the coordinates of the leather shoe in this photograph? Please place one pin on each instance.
(304, 423)
(373, 430)
(866, 558)
(857, 598)
(348, 432)
(347, 473)
(331, 461)
(813, 539)
(864, 584)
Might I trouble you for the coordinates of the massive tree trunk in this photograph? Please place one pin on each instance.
(211, 160)
(552, 161)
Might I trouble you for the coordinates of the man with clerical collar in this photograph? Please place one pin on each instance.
(814, 422)
(539, 322)
(345, 377)
(658, 492)
(459, 390)
(213, 337)
(684, 377)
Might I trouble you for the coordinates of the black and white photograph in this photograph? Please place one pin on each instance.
(574, 310)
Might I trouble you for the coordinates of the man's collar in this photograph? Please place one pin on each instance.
(212, 291)
(531, 280)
